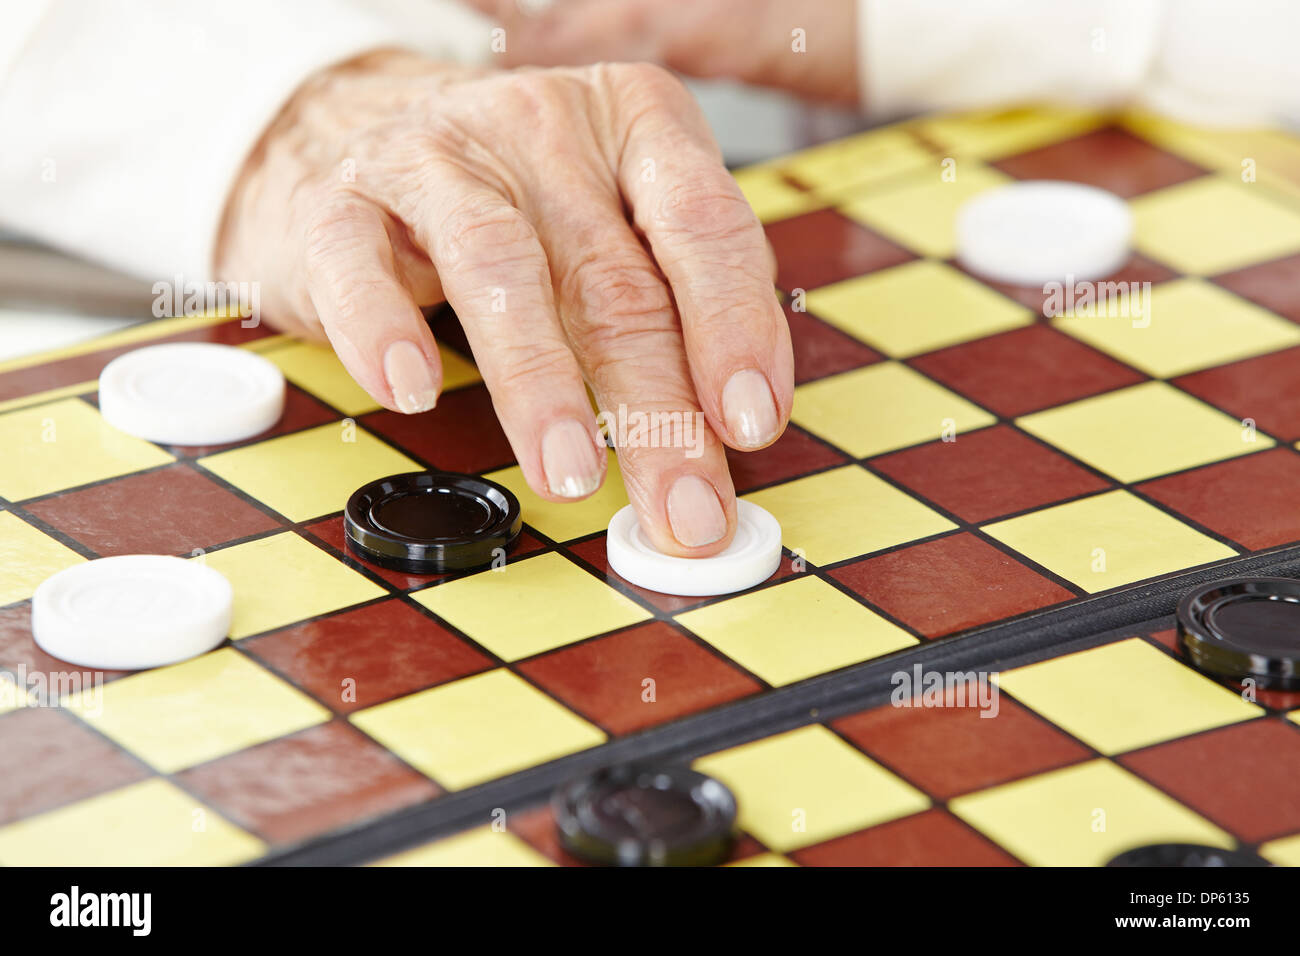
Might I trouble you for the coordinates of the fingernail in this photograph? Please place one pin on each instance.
(410, 378)
(695, 512)
(569, 460)
(748, 409)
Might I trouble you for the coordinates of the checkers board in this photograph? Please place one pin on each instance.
(973, 482)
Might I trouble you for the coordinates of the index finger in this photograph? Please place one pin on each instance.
(713, 251)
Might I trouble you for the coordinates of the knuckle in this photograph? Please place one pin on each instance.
(335, 226)
(530, 370)
(352, 294)
(478, 230)
(442, 134)
(706, 212)
(647, 79)
(651, 99)
(538, 101)
(646, 363)
(617, 292)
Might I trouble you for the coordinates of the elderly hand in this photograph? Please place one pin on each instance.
(806, 48)
(582, 225)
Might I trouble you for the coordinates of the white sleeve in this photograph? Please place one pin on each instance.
(1199, 60)
(123, 123)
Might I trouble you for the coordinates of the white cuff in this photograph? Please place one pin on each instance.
(919, 55)
(126, 124)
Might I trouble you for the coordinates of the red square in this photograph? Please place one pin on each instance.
(948, 751)
(1111, 159)
(368, 655)
(794, 454)
(1025, 370)
(1274, 285)
(1251, 500)
(461, 434)
(605, 679)
(52, 759)
(308, 783)
(989, 473)
(950, 584)
(1265, 389)
(1167, 639)
(821, 350)
(1245, 778)
(173, 510)
(445, 325)
(19, 651)
(932, 838)
(822, 247)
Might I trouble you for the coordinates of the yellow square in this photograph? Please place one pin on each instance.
(526, 607)
(998, 133)
(856, 162)
(1125, 695)
(845, 512)
(564, 520)
(309, 473)
(808, 785)
(1107, 541)
(771, 196)
(317, 370)
(918, 208)
(481, 846)
(64, 444)
(28, 557)
(876, 409)
(1191, 324)
(146, 824)
(917, 307)
(1283, 852)
(477, 729)
(1214, 224)
(795, 630)
(12, 696)
(1084, 815)
(193, 712)
(1142, 431)
(283, 579)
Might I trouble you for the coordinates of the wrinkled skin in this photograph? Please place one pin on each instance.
(582, 225)
(749, 40)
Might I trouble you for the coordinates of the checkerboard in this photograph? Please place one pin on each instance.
(1072, 766)
(959, 462)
